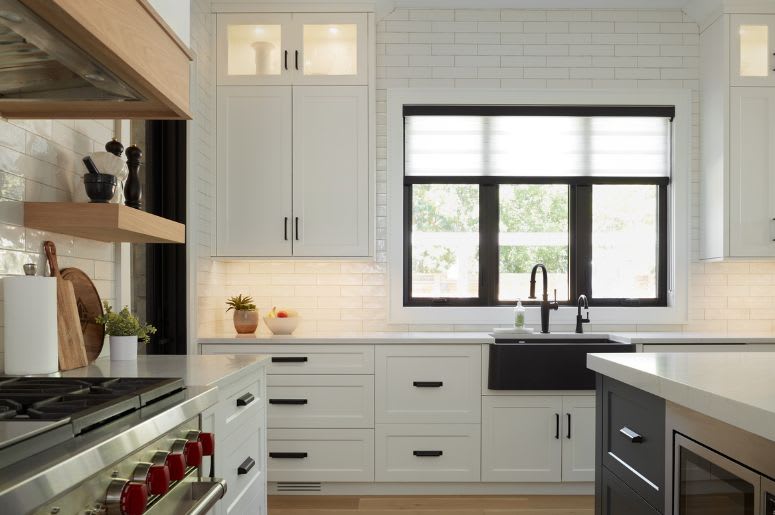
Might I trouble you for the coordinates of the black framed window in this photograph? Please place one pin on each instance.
(489, 191)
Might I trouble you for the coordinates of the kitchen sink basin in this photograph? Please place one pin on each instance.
(547, 362)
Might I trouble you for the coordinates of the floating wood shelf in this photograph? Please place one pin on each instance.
(103, 222)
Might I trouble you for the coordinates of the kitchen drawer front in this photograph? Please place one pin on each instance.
(427, 384)
(251, 500)
(619, 499)
(308, 455)
(321, 401)
(240, 403)
(427, 452)
(307, 359)
(244, 460)
(633, 435)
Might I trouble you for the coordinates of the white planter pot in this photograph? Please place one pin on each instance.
(123, 348)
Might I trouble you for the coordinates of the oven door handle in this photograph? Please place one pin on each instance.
(206, 494)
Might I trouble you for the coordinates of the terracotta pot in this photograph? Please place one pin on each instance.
(245, 322)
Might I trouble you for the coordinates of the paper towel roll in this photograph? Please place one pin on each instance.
(30, 336)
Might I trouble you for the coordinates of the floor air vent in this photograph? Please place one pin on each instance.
(298, 487)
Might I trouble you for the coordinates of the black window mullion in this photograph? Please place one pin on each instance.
(488, 244)
(407, 244)
(581, 241)
(662, 244)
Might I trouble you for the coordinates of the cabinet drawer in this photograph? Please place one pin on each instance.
(619, 499)
(633, 444)
(321, 401)
(244, 460)
(427, 452)
(251, 500)
(307, 359)
(241, 402)
(427, 384)
(299, 455)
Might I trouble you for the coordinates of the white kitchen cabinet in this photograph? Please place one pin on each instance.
(293, 171)
(737, 148)
(528, 438)
(330, 171)
(578, 438)
(752, 172)
(298, 48)
(254, 171)
(753, 46)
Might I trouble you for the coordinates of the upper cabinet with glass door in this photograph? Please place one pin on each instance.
(302, 48)
(753, 50)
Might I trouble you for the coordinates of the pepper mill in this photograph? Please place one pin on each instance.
(132, 189)
(114, 147)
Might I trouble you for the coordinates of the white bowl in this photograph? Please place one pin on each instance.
(282, 325)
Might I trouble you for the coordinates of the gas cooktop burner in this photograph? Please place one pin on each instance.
(87, 401)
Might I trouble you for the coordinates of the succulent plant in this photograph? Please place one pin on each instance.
(124, 323)
(240, 303)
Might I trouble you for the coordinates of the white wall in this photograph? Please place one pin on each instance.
(177, 14)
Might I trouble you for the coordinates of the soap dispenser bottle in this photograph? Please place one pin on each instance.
(519, 315)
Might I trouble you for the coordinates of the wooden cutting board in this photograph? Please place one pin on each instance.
(89, 308)
(72, 353)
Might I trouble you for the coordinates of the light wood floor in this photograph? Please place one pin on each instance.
(432, 505)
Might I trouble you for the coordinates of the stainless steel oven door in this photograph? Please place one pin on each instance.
(768, 496)
(707, 483)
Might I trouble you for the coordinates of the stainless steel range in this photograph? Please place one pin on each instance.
(93, 446)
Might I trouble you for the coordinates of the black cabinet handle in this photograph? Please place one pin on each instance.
(428, 454)
(286, 59)
(245, 399)
(556, 426)
(631, 435)
(246, 465)
(285, 228)
(289, 359)
(297, 59)
(288, 455)
(297, 228)
(568, 415)
(428, 384)
(287, 401)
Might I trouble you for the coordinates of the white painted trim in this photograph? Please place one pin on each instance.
(679, 203)
(123, 251)
(472, 488)
(293, 6)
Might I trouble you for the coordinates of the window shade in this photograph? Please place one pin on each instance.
(516, 141)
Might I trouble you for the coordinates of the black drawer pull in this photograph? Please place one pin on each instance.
(288, 455)
(246, 465)
(287, 401)
(428, 384)
(245, 399)
(289, 359)
(568, 435)
(631, 435)
(428, 454)
(556, 426)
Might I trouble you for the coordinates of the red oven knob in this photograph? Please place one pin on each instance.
(126, 497)
(208, 443)
(176, 463)
(155, 475)
(193, 452)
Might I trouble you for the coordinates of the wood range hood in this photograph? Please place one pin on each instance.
(90, 59)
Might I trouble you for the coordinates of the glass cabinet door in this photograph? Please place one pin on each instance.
(333, 49)
(254, 49)
(753, 45)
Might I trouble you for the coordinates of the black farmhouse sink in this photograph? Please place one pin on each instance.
(546, 363)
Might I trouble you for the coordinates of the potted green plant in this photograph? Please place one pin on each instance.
(245, 313)
(125, 330)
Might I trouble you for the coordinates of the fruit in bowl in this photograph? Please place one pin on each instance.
(282, 321)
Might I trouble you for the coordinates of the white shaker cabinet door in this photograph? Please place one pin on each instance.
(752, 172)
(254, 171)
(521, 440)
(753, 50)
(330, 171)
(578, 438)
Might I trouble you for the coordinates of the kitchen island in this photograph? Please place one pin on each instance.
(678, 432)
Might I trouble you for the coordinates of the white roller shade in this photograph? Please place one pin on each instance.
(537, 146)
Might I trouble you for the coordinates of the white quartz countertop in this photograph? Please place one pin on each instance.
(664, 338)
(734, 387)
(194, 370)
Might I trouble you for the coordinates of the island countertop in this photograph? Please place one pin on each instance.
(195, 370)
(734, 387)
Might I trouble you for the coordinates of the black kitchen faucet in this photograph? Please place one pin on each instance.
(545, 304)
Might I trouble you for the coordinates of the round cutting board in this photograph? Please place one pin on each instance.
(89, 308)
